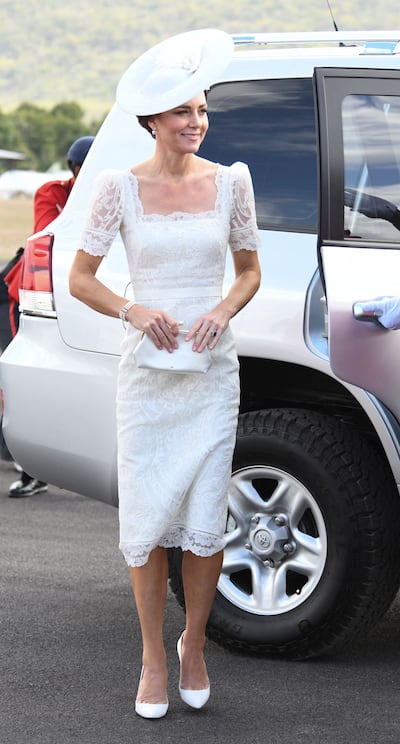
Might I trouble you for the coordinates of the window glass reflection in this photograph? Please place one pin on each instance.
(269, 124)
(371, 140)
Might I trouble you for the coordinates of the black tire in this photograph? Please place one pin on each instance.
(329, 519)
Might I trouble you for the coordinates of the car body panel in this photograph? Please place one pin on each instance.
(61, 427)
(365, 263)
(363, 353)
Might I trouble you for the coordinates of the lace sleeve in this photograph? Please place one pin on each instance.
(105, 213)
(244, 232)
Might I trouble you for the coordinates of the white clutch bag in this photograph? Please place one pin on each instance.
(182, 360)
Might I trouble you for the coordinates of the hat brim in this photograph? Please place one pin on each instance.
(147, 88)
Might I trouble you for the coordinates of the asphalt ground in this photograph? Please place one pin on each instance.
(70, 651)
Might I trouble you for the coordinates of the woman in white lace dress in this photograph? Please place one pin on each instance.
(177, 214)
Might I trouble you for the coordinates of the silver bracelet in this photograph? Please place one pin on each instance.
(122, 313)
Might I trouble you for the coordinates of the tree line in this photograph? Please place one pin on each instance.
(43, 135)
(77, 51)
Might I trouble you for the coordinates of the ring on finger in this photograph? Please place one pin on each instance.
(213, 333)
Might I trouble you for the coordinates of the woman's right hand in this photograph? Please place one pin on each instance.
(161, 327)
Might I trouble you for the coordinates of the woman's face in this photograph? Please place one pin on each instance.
(182, 129)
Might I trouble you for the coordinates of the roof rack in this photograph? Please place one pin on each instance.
(317, 37)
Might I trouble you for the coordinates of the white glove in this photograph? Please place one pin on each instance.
(385, 309)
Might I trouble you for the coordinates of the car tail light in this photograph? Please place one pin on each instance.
(36, 287)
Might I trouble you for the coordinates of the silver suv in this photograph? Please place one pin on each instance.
(312, 549)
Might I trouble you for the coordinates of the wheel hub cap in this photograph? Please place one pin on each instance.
(269, 538)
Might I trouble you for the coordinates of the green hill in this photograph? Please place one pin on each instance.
(77, 50)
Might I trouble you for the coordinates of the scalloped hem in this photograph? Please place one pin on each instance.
(201, 544)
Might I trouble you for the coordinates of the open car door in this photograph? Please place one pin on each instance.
(358, 124)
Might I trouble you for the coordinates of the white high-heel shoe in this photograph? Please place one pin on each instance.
(150, 710)
(194, 698)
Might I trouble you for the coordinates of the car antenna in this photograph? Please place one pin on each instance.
(333, 21)
(332, 16)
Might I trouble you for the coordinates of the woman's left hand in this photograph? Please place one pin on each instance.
(208, 329)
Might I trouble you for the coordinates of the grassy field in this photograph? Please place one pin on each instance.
(16, 219)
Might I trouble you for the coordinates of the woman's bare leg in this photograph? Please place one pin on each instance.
(149, 584)
(200, 576)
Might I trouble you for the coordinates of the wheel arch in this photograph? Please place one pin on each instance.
(269, 383)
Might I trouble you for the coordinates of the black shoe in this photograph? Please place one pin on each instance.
(26, 488)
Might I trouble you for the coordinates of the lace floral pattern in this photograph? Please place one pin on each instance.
(114, 188)
(176, 433)
(244, 235)
(104, 216)
(180, 537)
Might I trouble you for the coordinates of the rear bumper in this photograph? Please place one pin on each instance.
(59, 410)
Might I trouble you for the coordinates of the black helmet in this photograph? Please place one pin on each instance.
(79, 149)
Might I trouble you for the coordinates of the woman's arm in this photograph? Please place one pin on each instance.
(83, 284)
(247, 281)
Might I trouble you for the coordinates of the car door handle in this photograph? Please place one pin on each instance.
(360, 313)
(385, 311)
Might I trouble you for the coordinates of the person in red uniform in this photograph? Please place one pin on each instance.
(48, 202)
(50, 199)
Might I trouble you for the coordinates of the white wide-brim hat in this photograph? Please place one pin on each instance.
(174, 71)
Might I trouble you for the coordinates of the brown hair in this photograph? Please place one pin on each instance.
(144, 120)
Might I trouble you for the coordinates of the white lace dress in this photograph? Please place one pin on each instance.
(176, 433)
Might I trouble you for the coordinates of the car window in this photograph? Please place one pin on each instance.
(371, 144)
(269, 124)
